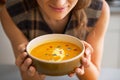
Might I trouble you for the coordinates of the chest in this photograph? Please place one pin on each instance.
(57, 27)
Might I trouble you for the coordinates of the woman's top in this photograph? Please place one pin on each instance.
(27, 17)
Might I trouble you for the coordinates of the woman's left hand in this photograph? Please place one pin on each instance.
(85, 61)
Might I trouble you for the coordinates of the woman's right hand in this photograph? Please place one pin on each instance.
(24, 64)
(85, 61)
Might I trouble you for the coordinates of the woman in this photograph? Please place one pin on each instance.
(87, 20)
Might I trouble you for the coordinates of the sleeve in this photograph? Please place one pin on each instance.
(19, 8)
(93, 12)
(16, 10)
(19, 11)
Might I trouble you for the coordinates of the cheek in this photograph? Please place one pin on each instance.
(73, 2)
(41, 3)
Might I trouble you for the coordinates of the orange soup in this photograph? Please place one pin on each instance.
(56, 51)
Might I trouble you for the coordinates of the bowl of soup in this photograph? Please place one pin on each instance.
(55, 54)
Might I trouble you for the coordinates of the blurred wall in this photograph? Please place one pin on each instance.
(111, 55)
(6, 53)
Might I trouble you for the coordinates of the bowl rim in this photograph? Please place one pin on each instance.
(56, 62)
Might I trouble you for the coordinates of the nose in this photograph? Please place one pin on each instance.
(60, 3)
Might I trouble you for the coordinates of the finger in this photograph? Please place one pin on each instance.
(20, 59)
(87, 45)
(71, 74)
(88, 50)
(85, 62)
(31, 71)
(87, 53)
(22, 47)
(41, 76)
(80, 71)
(87, 57)
(26, 64)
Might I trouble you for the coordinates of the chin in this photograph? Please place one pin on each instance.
(59, 17)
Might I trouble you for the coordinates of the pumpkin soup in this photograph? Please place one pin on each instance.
(55, 51)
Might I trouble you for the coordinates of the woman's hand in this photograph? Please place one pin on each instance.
(24, 64)
(86, 59)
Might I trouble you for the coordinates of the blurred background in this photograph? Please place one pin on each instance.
(111, 54)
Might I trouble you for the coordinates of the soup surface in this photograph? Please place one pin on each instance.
(56, 51)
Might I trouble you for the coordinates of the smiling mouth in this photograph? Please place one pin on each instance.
(57, 9)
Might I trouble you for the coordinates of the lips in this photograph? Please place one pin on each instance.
(61, 9)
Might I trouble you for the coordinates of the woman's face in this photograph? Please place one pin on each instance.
(56, 9)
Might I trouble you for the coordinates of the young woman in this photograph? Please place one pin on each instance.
(87, 20)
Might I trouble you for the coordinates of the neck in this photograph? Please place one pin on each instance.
(56, 26)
